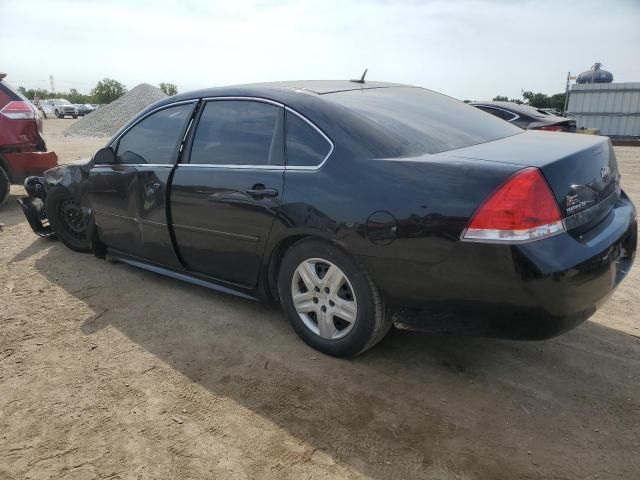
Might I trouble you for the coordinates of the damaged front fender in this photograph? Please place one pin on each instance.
(71, 177)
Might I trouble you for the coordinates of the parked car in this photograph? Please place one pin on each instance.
(356, 206)
(551, 111)
(23, 151)
(63, 108)
(527, 117)
(84, 109)
(45, 109)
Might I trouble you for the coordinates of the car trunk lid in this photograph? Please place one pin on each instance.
(581, 170)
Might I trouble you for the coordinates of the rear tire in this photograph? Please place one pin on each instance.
(70, 225)
(330, 301)
(5, 186)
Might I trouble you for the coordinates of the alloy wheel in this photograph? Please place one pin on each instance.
(324, 298)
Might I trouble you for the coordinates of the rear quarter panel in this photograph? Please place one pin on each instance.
(409, 210)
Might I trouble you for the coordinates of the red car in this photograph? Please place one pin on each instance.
(22, 148)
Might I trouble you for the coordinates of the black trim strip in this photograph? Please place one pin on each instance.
(248, 238)
(184, 276)
(132, 219)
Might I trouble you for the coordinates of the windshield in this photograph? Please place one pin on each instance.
(424, 121)
(62, 102)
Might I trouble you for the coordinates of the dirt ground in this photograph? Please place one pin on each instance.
(115, 373)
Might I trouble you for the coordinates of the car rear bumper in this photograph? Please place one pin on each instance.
(25, 164)
(531, 291)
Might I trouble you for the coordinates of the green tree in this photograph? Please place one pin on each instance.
(73, 95)
(76, 97)
(107, 90)
(32, 93)
(500, 98)
(540, 100)
(169, 88)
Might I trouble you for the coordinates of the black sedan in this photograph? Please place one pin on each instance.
(529, 118)
(357, 207)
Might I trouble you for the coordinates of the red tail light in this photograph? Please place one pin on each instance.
(552, 128)
(520, 210)
(18, 109)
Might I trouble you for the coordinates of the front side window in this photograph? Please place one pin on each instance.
(239, 132)
(156, 139)
(305, 146)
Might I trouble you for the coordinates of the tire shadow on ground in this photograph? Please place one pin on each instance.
(416, 400)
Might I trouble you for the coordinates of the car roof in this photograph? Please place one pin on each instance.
(322, 87)
(281, 91)
(515, 107)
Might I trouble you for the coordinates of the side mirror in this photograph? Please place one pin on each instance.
(104, 156)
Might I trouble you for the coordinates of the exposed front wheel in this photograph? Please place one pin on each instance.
(58, 114)
(332, 304)
(67, 219)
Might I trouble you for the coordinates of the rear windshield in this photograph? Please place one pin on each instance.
(423, 121)
(12, 91)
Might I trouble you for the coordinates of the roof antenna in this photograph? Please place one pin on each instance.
(361, 80)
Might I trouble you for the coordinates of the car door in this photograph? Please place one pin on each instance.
(225, 195)
(128, 197)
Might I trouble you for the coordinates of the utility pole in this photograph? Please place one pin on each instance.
(566, 95)
(52, 86)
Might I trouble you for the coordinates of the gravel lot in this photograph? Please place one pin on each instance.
(111, 372)
(108, 119)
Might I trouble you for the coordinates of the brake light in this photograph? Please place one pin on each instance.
(521, 210)
(18, 110)
(551, 128)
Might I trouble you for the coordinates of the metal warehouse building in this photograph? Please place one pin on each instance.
(612, 108)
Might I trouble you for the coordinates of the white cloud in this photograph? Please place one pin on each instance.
(469, 49)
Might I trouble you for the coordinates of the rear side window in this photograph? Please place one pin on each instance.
(508, 116)
(8, 93)
(239, 132)
(498, 112)
(421, 121)
(156, 139)
(305, 145)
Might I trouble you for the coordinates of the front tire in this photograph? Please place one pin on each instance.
(5, 186)
(330, 301)
(67, 219)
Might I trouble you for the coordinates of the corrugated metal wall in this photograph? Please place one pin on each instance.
(613, 108)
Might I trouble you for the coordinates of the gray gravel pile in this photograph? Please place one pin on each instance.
(106, 120)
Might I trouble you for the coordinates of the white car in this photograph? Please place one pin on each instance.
(62, 108)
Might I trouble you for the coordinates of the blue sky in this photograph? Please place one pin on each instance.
(470, 49)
